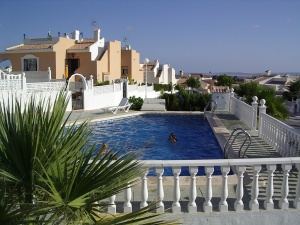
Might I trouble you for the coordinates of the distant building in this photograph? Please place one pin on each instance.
(106, 61)
(279, 82)
(159, 73)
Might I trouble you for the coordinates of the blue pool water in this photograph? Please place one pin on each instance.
(147, 136)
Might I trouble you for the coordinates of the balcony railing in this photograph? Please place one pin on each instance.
(271, 168)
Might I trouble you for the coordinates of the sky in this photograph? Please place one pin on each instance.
(191, 35)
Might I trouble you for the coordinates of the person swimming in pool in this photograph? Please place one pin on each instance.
(172, 138)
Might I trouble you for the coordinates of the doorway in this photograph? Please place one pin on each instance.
(73, 65)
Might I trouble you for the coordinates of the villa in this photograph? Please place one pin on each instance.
(66, 55)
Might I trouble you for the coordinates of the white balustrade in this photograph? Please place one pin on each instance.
(112, 205)
(193, 190)
(160, 190)
(208, 205)
(284, 203)
(239, 205)
(127, 203)
(297, 199)
(223, 205)
(282, 137)
(269, 204)
(246, 113)
(225, 164)
(176, 192)
(144, 190)
(254, 205)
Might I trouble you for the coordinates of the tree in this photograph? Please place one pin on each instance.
(193, 82)
(50, 175)
(275, 104)
(224, 80)
(294, 89)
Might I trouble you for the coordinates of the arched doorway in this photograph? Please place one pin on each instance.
(77, 85)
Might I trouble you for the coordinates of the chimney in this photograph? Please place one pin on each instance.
(97, 34)
(76, 35)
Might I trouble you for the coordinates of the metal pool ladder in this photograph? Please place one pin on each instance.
(233, 136)
(213, 106)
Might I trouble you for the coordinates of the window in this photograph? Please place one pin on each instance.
(30, 65)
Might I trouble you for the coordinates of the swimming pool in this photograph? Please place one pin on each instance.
(147, 136)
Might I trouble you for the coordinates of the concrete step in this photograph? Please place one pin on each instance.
(154, 104)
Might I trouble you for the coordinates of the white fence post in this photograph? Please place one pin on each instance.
(255, 107)
(230, 98)
(23, 82)
(91, 82)
(262, 109)
(49, 74)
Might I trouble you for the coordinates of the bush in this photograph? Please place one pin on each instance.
(185, 101)
(163, 87)
(275, 104)
(102, 83)
(136, 103)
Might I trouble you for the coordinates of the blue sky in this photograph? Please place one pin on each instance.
(196, 36)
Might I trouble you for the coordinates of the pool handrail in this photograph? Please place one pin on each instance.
(234, 134)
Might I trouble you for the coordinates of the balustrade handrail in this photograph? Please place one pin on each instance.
(220, 162)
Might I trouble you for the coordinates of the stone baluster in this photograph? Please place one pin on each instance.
(269, 204)
(297, 199)
(112, 205)
(207, 204)
(254, 205)
(255, 107)
(239, 205)
(176, 208)
(284, 203)
(127, 203)
(223, 205)
(193, 190)
(144, 191)
(160, 190)
(262, 110)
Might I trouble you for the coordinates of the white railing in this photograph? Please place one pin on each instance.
(246, 113)
(46, 86)
(179, 186)
(282, 137)
(12, 82)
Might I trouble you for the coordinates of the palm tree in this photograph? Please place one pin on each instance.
(52, 176)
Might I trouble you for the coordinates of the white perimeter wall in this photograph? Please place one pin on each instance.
(106, 99)
(24, 97)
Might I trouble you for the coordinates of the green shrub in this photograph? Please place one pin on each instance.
(102, 83)
(185, 101)
(275, 104)
(136, 103)
(163, 87)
